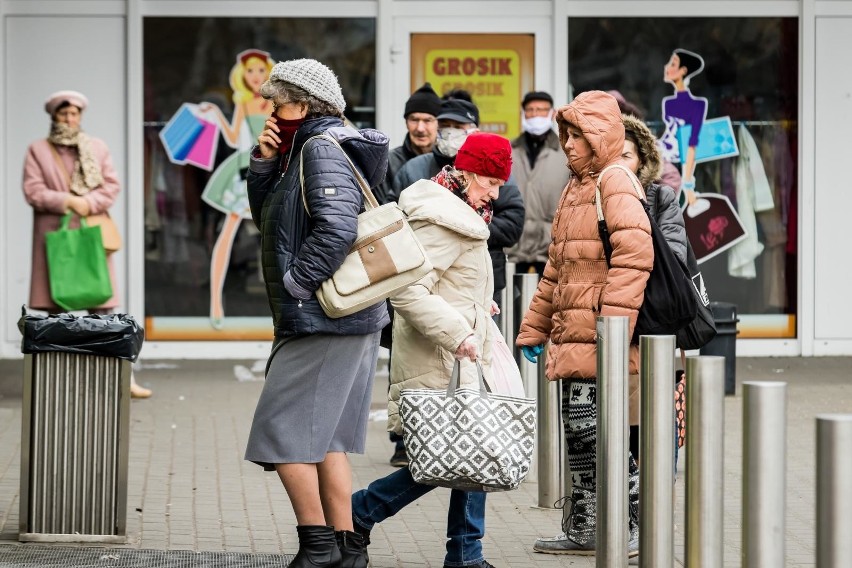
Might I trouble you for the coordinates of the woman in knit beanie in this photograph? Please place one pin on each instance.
(305, 199)
(441, 318)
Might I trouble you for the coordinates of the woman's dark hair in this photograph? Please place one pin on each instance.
(692, 61)
(630, 136)
(65, 104)
(457, 94)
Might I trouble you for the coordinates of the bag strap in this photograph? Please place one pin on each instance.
(683, 359)
(603, 230)
(633, 181)
(369, 198)
(60, 163)
(455, 379)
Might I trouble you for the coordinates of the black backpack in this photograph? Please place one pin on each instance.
(670, 301)
(697, 333)
(702, 328)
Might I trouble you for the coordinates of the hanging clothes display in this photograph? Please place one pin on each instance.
(754, 194)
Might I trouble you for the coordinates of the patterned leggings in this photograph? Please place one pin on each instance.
(579, 414)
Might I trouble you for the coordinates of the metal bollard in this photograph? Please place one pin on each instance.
(764, 473)
(551, 456)
(834, 491)
(612, 435)
(656, 446)
(705, 390)
(525, 287)
(507, 305)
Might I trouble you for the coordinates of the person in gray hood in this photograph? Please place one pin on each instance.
(315, 404)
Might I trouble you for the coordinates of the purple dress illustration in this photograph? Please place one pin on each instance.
(683, 109)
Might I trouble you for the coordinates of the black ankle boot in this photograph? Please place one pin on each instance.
(353, 549)
(317, 548)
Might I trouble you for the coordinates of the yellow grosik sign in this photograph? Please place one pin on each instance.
(496, 69)
(491, 76)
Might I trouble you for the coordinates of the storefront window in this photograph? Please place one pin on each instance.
(734, 81)
(202, 114)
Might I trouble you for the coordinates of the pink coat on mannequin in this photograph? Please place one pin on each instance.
(45, 189)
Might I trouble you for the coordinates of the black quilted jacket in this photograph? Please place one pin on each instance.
(300, 251)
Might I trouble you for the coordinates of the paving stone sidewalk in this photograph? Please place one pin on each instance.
(191, 490)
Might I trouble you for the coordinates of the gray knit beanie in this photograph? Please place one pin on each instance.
(314, 77)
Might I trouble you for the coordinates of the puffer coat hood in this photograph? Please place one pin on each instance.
(578, 285)
(649, 154)
(596, 114)
(367, 148)
(434, 315)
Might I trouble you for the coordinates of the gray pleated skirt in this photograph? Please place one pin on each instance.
(316, 400)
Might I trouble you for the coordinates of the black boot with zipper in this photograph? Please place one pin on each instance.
(317, 548)
(353, 549)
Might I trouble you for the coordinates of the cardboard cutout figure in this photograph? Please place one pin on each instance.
(226, 189)
(689, 138)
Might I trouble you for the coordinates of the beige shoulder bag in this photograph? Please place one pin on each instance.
(386, 257)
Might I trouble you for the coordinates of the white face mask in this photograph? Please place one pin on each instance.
(450, 140)
(537, 125)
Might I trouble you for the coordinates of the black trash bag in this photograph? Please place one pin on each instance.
(112, 335)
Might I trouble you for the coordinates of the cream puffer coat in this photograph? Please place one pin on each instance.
(577, 286)
(434, 315)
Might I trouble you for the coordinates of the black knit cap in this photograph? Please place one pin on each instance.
(424, 100)
(536, 96)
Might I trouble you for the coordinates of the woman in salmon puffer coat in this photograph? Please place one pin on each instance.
(577, 287)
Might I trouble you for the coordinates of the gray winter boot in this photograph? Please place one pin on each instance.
(578, 526)
(633, 511)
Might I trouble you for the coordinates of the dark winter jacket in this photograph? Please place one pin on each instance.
(507, 222)
(300, 250)
(661, 198)
(396, 159)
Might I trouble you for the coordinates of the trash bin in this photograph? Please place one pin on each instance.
(725, 342)
(75, 426)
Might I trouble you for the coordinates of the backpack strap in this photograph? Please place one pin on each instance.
(603, 230)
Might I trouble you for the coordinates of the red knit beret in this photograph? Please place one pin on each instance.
(485, 154)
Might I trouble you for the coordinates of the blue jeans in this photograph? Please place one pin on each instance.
(387, 496)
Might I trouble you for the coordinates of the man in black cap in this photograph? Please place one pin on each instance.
(421, 112)
(538, 165)
(457, 119)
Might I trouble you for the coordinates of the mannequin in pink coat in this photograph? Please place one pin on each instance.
(68, 171)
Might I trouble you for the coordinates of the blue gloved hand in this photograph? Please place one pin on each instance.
(532, 352)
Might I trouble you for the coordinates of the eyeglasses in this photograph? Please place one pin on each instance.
(531, 111)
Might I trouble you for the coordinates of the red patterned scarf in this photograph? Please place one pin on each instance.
(456, 185)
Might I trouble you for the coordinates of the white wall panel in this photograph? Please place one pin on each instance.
(85, 54)
(833, 181)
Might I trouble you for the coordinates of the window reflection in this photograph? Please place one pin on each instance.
(750, 74)
(202, 264)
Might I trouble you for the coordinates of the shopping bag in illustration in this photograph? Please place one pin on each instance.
(203, 151)
(712, 225)
(715, 141)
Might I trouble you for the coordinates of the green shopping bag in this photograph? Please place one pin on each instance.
(77, 266)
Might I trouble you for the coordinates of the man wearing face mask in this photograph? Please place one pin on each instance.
(539, 168)
(457, 119)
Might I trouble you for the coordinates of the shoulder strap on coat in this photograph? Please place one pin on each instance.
(371, 202)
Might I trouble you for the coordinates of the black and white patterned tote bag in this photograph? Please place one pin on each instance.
(468, 439)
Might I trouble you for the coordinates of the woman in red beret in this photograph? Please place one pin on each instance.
(441, 318)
